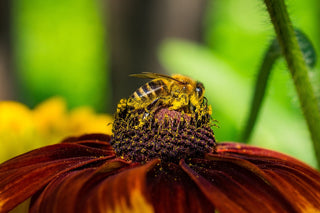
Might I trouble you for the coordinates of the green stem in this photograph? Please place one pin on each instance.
(272, 54)
(291, 51)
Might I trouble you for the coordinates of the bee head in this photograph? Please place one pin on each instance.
(199, 90)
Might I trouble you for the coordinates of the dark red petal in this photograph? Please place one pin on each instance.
(22, 176)
(231, 148)
(235, 185)
(88, 137)
(123, 192)
(18, 185)
(51, 153)
(171, 190)
(241, 178)
(50, 199)
(298, 183)
(99, 141)
(115, 186)
(64, 193)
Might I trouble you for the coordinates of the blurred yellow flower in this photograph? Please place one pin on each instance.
(51, 115)
(23, 129)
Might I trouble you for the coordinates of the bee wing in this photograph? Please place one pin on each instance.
(152, 75)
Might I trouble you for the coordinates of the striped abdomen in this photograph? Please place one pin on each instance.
(150, 90)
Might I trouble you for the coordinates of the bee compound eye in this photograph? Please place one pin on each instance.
(199, 91)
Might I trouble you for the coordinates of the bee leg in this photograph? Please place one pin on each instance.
(150, 108)
(153, 104)
(192, 108)
(205, 101)
(145, 115)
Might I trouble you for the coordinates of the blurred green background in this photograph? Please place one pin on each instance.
(83, 50)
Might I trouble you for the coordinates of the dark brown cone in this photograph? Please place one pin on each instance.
(169, 135)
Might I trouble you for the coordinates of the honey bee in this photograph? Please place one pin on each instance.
(176, 92)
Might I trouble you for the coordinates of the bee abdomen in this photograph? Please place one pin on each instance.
(150, 90)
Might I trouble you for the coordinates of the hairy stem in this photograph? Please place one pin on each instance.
(297, 66)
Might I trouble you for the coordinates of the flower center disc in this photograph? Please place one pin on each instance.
(166, 134)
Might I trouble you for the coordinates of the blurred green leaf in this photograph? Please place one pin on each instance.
(307, 48)
(60, 49)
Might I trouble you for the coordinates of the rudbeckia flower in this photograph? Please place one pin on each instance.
(164, 160)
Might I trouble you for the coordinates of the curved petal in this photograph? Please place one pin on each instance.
(117, 186)
(170, 190)
(298, 182)
(87, 145)
(247, 178)
(123, 192)
(64, 194)
(247, 151)
(88, 137)
(22, 176)
(235, 185)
